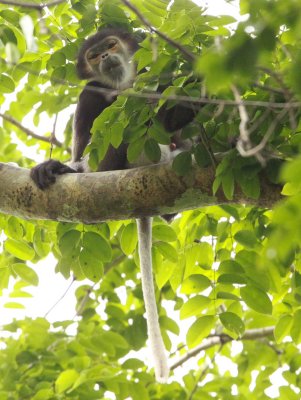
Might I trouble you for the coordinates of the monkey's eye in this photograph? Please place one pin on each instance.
(93, 56)
(112, 44)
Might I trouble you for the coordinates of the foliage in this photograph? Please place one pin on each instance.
(221, 270)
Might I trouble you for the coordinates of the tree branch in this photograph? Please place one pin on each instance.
(158, 96)
(188, 55)
(251, 334)
(116, 195)
(34, 6)
(52, 139)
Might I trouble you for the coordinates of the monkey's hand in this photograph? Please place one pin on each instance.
(44, 174)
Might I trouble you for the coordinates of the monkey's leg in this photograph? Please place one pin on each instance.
(144, 226)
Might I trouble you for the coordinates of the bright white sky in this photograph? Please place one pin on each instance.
(52, 286)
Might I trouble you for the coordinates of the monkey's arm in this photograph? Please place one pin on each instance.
(176, 117)
(90, 105)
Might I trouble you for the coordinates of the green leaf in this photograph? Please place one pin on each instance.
(117, 134)
(246, 238)
(91, 266)
(256, 299)
(26, 273)
(228, 184)
(43, 394)
(152, 150)
(232, 279)
(10, 16)
(167, 250)
(69, 242)
(19, 249)
(250, 185)
(295, 330)
(164, 233)
(199, 330)
(202, 156)
(14, 305)
(226, 296)
(116, 339)
(133, 363)
(283, 328)
(6, 84)
(135, 149)
(65, 380)
(182, 163)
(128, 240)
(99, 247)
(195, 283)
(164, 272)
(233, 323)
(194, 306)
(199, 253)
(14, 228)
(169, 325)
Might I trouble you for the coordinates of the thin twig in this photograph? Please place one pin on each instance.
(60, 298)
(188, 55)
(29, 132)
(52, 138)
(251, 334)
(204, 372)
(288, 95)
(34, 6)
(159, 96)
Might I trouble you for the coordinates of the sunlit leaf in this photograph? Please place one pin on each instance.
(26, 273)
(233, 323)
(200, 329)
(65, 380)
(194, 306)
(256, 299)
(19, 249)
(128, 240)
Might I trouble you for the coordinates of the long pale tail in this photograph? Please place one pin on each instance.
(144, 226)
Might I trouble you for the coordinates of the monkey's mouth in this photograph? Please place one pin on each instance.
(114, 68)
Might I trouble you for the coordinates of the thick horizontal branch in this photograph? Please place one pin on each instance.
(115, 195)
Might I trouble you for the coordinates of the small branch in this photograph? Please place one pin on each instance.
(288, 95)
(159, 96)
(34, 6)
(258, 148)
(29, 132)
(188, 55)
(244, 137)
(60, 298)
(52, 138)
(80, 307)
(251, 334)
(204, 372)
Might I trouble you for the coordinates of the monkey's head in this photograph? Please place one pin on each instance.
(107, 58)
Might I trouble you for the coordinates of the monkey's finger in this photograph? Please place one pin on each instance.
(45, 177)
(65, 170)
(38, 177)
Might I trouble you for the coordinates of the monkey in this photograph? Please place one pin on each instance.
(106, 60)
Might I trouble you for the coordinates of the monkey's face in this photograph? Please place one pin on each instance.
(110, 62)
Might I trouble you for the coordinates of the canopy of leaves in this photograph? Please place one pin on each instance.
(224, 273)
